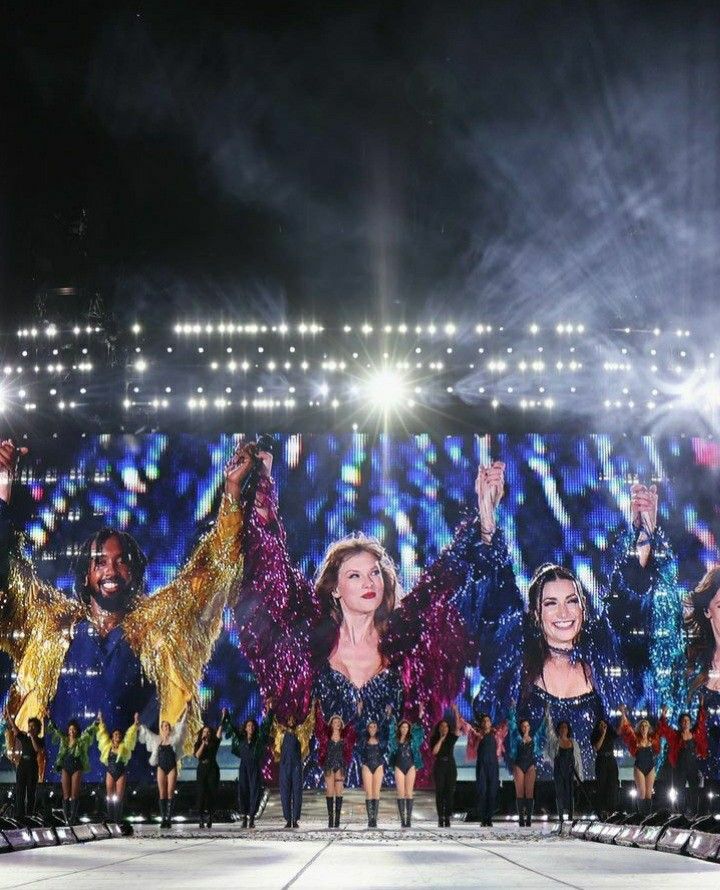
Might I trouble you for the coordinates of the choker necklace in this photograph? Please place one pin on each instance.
(572, 654)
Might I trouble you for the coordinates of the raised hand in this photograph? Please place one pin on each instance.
(489, 487)
(644, 507)
(136, 719)
(10, 454)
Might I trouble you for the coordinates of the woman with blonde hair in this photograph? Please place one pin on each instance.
(644, 745)
(336, 741)
(165, 748)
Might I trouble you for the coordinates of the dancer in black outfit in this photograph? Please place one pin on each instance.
(206, 747)
(563, 752)
(442, 744)
(607, 777)
(30, 747)
(249, 747)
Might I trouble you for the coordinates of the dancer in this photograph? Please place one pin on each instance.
(405, 758)
(291, 747)
(644, 745)
(111, 647)
(165, 751)
(485, 746)
(442, 745)
(524, 750)
(568, 645)
(29, 749)
(342, 639)
(373, 750)
(205, 750)
(687, 746)
(607, 777)
(563, 752)
(249, 746)
(336, 741)
(116, 750)
(71, 762)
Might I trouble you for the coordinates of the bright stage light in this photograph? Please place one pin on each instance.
(385, 389)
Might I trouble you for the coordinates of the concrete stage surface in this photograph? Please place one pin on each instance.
(353, 856)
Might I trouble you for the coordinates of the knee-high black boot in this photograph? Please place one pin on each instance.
(376, 810)
(530, 801)
(401, 811)
(338, 809)
(369, 809)
(74, 806)
(330, 802)
(408, 812)
(66, 810)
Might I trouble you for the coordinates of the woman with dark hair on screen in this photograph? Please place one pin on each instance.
(405, 759)
(205, 750)
(563, 752)
(644, 745)
(524, 750)
(336, 741)
(116, 749)
(571, 646)
(687, 746)
(71, 762)
(249, 746)
(165, 750)
(607, 776)
(442, 745)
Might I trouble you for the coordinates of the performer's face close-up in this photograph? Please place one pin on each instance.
(116, 737)
(524, 727)
(360, 585)
(109, 573)
(561, 612)
(486, 724)
(712, 613)
(372, 729)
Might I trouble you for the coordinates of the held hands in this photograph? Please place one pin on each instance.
(489, 487)
(644, 507)
(10, 455)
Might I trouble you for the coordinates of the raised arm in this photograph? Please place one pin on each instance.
(305, 733)
(127, 746)
(175, 629)
(87, 737)
(464, 609)
(627, 733)
(644, 594)
(104, 740)
(276, 609)
(30, 609)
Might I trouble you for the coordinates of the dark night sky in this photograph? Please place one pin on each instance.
(396, 159)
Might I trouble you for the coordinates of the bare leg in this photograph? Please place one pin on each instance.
(400, 783)
(329, 785)
(66, 783)
(367, 780)
(639, 783)
(76, 784)
(649, 784)
(519, 779)
(377, 778)
(410, 782)
(529, 783)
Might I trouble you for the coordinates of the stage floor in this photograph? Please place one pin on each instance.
(313, 857)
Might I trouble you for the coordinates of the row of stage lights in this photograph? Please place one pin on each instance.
(508, 375)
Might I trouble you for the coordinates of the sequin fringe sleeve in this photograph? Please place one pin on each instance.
(648, 600)
(276, 611)
(175, 629)
(35, 624)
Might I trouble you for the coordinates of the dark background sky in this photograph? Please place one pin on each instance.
(375, 159)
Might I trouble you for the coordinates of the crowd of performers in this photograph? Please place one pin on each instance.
(371, 675)
(383, 745)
